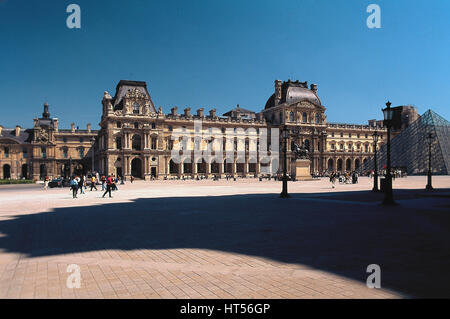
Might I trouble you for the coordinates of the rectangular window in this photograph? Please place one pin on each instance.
(65, 153)
(25, 153)
(44, 152)
(6, 152)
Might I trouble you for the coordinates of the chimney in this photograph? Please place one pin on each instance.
(17, 130)
(89, 127)
(187, 111)
(277, 92)
(73, 127)
(212, 113)
(55, 124)
(200, 112)
(314, 88)
(174, 110)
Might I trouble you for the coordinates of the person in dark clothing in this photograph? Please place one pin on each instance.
(109, 185)
(81, 184)
(74, 187)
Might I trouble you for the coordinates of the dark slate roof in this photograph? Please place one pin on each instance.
(243, 112)
(124, 86)
(9, 136)
(294, 92)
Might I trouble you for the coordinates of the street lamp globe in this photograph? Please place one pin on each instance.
(388, 113)
(375, 136)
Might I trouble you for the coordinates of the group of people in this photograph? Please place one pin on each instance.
(395, 173)
(80, 183)
(344, 178)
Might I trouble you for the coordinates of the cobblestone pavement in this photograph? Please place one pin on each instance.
(226, 239)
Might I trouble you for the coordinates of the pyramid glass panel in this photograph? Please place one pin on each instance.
(409, 149)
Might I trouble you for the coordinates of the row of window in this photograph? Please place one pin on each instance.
(6, 152)
(350, 135)
(81, 152)
(135, 125)
(350, 147)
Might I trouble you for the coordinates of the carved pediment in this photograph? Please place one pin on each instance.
(42, 136)
(135, 94)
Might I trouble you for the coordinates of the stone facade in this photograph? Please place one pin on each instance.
(136, 139)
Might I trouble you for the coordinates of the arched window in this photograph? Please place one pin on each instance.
(153, 143)
(304, 117)
(136, 108)
(136, 142)
(291, 116)
(307, 144)
(317, 118)
(118, 143)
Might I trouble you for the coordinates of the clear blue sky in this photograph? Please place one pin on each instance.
(219, 53)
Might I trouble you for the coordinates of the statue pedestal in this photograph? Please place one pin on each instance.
(301, 170)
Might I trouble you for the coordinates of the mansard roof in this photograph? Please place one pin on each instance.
(125, 86)
(6, 135)
(294, 91)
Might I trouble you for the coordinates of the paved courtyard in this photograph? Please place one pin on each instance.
(226, 239)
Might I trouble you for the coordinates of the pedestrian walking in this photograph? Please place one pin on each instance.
(93, 181)
(74, 187)
(81, 184)
(109, 185)
(103, 183)
(333, 179)
(46, 180)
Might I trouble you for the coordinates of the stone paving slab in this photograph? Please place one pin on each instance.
(206, 239)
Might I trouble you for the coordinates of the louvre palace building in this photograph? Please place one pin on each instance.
(137, 139)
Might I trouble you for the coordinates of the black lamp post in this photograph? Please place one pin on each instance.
(388, 196)
(93, 151)
(430, 141)
(284, 192)
(70, 167)
(375, 177)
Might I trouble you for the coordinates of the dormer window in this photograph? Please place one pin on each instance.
(136, 108)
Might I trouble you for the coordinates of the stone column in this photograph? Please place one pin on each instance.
(208, 168)
(221, 169)
(194, 168)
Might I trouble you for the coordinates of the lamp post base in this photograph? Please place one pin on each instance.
(429, 187)
(284, 192)
(389, 202)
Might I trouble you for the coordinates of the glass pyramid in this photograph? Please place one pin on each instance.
(409, 149)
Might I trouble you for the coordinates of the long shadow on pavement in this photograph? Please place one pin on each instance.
(411, 246)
